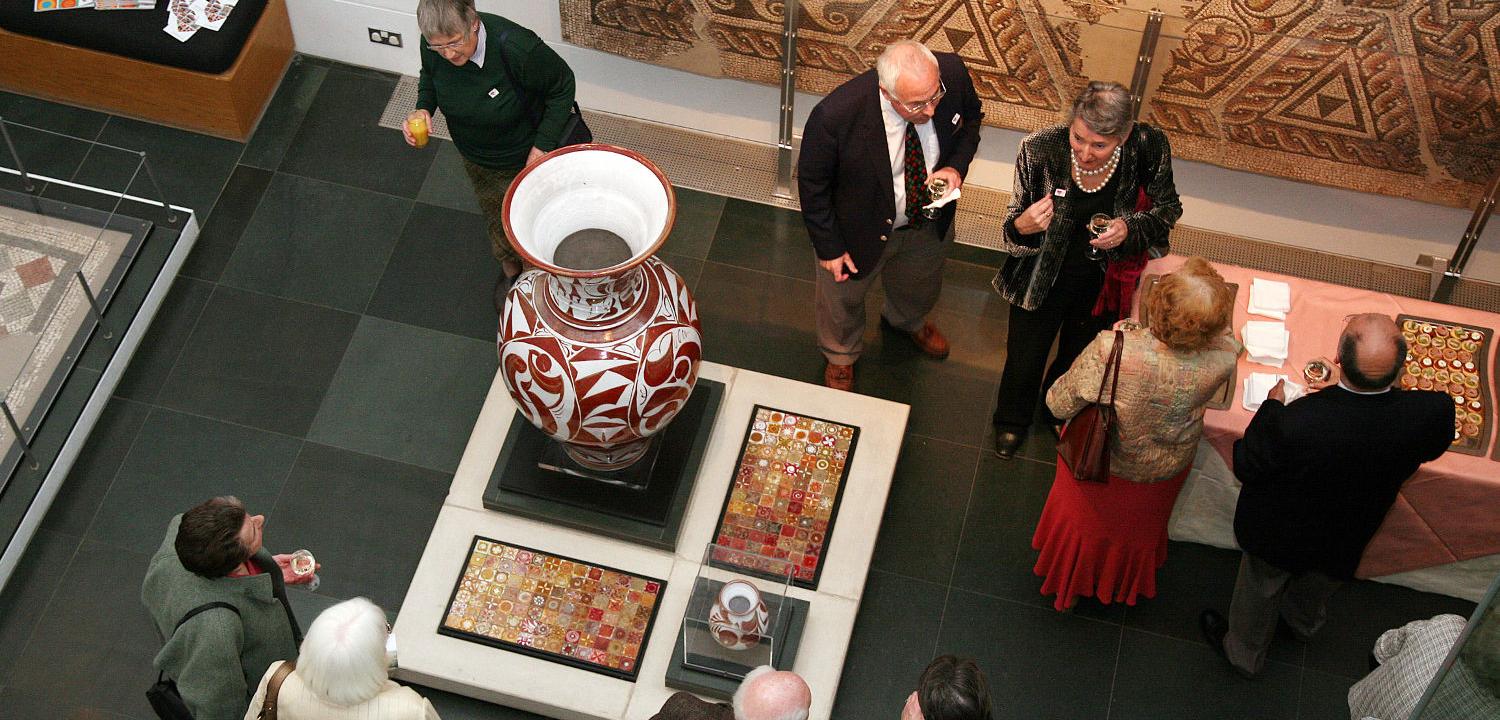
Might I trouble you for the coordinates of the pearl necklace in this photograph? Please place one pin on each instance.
(1108, 169)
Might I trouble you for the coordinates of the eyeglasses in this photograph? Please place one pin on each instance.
(919, 107)
(455, 44)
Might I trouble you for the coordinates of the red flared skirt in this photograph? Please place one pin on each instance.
(1103, 540)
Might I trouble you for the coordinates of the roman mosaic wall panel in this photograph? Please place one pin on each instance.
(1397, 97)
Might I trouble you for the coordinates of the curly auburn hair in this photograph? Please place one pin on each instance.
(1190, 308)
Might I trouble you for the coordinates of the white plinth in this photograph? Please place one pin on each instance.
(561, 691)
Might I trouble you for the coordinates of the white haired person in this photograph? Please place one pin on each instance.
(765, 694)
(341, 673)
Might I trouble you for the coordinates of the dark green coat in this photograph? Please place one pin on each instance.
(217, 658)
(487, 118)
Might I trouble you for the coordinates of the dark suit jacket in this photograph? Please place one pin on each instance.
(687, 706)
(1320, 474)
(844, 172)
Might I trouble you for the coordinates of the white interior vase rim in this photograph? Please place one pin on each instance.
(642, 248)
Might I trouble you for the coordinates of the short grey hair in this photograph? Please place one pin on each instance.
(902, 57)
(343, 656)
(1106, 107)
(743, 692)
(441, 18)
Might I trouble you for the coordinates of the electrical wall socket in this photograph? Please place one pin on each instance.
(385, 37)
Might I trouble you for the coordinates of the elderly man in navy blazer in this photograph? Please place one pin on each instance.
(869, 151)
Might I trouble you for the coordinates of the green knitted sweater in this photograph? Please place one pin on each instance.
(217, 658)
(488, 121)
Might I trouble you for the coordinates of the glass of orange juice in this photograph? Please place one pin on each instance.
(416, 124)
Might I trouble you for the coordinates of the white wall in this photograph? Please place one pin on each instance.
(1339, 221)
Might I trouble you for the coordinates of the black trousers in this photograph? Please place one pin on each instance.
(1066, 316)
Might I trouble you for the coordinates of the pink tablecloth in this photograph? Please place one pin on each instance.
(1450, 509)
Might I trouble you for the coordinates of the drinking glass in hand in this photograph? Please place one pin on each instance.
(1097, 225)
(936, 188)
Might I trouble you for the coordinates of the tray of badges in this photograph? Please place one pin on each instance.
(1449, 358)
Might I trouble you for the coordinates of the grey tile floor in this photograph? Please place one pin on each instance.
(329, 342)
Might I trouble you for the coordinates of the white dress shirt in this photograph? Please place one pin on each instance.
(478, 58)
(895, 140)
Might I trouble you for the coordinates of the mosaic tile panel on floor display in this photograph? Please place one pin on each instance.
(42, 307)
(785, 495)
(553, 607)
(1397, 98)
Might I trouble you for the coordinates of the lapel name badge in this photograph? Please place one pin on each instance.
(1060, 192)
(956, 118)
(494, 92)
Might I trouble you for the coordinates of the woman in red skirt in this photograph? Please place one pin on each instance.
(1106, 540)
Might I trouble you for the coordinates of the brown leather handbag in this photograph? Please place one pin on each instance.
(1084, 445)
(273, 689)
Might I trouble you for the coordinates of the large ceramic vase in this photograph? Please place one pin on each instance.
(598, 357)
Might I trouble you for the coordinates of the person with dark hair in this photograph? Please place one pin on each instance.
(1318, 477)
(951, 688)
(212, 561)
(1065, 281)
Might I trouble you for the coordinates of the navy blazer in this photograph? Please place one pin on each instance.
(844, 173)
(1320, 474)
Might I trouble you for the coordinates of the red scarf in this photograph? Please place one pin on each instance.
(1121, 276)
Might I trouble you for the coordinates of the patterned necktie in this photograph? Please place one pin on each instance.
(916, 177)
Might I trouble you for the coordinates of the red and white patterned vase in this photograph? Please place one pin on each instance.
(739, 619)
(598, 359)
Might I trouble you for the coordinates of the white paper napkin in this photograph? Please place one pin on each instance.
(1270, 298)
(1266, 342)
(947, 197)
(1258, 385)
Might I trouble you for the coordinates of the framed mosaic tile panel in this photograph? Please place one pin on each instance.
(785, 495)
(552, 607)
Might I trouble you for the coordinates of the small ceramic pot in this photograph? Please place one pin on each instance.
(739, 617)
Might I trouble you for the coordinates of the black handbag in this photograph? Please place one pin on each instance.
(1084, 445)
(575, 131)
(163, 695)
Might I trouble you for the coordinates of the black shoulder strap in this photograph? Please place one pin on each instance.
(510, 75)
(204, 608)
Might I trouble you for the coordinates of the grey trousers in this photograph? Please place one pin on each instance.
(1263, 591)
(911, 271)
(489, 189)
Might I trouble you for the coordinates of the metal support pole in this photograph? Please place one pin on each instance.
(25, 177)
(783, 187)
(171, 214)
(1445, 273)
(1482, 211)
(1143, 56)
(93, 302)
(20, 437)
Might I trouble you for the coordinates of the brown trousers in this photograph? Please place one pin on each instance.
(1262, 592)
(911, 271)
(489, 188)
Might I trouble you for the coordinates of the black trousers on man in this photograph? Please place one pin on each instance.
(1066, 315)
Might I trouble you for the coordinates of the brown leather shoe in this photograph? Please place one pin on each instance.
(931, 341)
(839, 377)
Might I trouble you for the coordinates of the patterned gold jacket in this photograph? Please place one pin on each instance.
(1159, 404)
(1043, 165)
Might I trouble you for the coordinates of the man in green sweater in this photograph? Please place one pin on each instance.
(494, 123)
(213, 553)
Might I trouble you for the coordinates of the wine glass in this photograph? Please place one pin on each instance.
(1097, 225)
